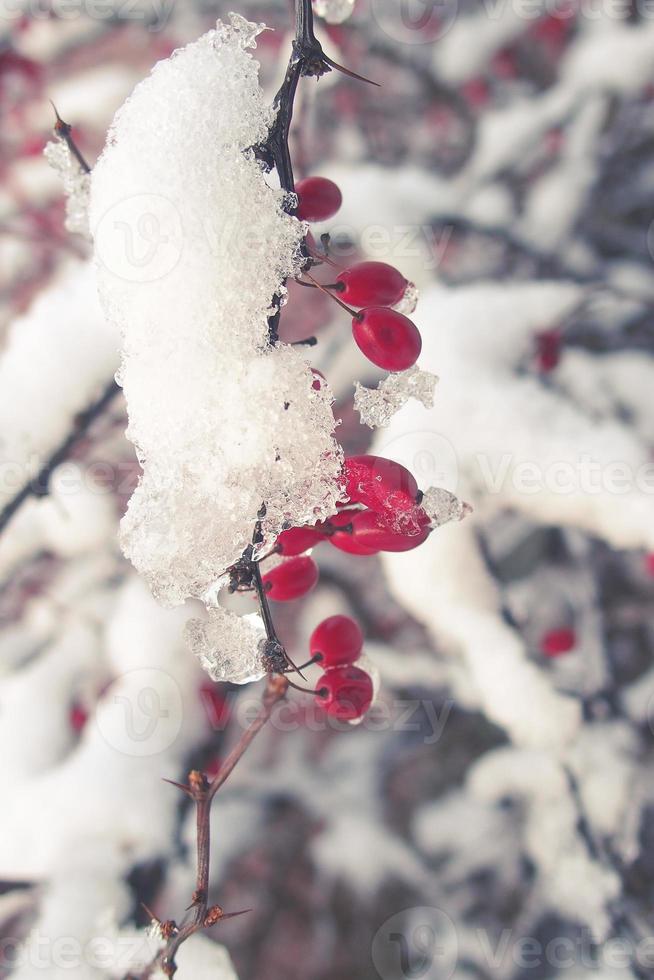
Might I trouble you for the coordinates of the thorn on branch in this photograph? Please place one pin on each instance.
(184, 789)
(65, 132)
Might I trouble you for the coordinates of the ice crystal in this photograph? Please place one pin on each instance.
(409, 300)
(377, 406)
(77, 185)
(442, 506)
(334, 11)
(191, 246)
(229, 647)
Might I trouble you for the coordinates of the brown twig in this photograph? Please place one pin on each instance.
(38, 485)
(202, 792)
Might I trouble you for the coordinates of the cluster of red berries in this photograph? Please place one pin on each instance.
(386, 337)
(344, 691)
(383, 514)
(383, 510)
(386, 516)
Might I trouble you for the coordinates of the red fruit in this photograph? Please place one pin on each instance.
(548, 350)
(319, 379)
(387, 338)
(297, 540)
(371, 284)
(371, 531)
(649, 564)
(346, 540)
(291, 579)
(318, 199)
(77, 717)
(345, 693)
(554, 643)
(379, 483)
(338, 640)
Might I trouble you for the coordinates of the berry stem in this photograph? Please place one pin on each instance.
(318, 285)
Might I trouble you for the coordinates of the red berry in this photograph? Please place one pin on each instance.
(649, 563)
(291, 579)
(379, 483)
(554, 643)
(346, 540)
(77, 717)
(338, 640)
(319, 379)
(318, 199)
(371, 531)
(297, 540)
(371, 284)
(345, 692)
(548, 350)
(387, 338)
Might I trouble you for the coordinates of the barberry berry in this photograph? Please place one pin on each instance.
(387, 338)
(371, 284)
(346, 540)
(370, 530)
(318, 199)
(297, 540)
(378, 482)
(556, 642)
(291, 579)
(338, 641)
(345, 693)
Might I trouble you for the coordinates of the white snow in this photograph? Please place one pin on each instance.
(221, 422)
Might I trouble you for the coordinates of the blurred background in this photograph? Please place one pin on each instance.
(493, 817)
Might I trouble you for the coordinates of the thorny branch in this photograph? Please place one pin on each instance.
(202, 792)
(307, 58)
(38, 485)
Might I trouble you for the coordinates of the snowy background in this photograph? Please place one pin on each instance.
(493, 817)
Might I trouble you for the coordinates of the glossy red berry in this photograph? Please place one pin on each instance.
(318, 199)
(291, 579)
(297, 540)
(555, 643)
(346, 540)
(548, 350)
(345, 693)
(371, 284)
(378, 482)
(387, 338)
(372, 531)
(338, 640)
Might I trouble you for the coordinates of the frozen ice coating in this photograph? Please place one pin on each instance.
(377, 406)
(229, 647)
(443, 507)
(77, 185)
(191, 245)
